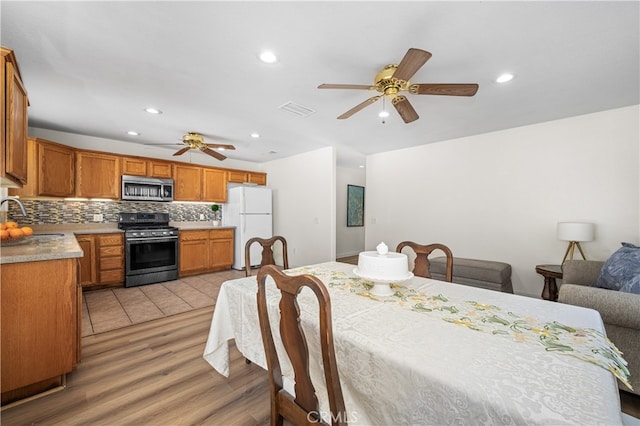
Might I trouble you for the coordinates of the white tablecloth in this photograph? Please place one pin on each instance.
(401, 367)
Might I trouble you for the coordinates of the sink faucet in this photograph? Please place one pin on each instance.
(24, 213)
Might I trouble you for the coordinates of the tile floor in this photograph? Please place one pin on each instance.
(110, 309)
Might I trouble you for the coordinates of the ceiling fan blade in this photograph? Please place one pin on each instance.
(444, 89)
(405, 109)
(347, 86)
(213, 153)
(411, 63)
(182, 151)
(359, 107)
(217, 145)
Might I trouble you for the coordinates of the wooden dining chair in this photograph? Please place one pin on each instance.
(267, 252)
(303, 408)
(421, 265)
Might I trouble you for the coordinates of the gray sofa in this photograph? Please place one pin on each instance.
(620, 311)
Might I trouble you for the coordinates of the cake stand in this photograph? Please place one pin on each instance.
(382, 287)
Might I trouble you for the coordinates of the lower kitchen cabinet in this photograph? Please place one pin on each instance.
(40, 326)
(110, 263)
(220, 249)
(194, 252)
(205, 251)
(87, 263)
(103, 262)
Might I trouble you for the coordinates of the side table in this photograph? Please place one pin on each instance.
(550, 273)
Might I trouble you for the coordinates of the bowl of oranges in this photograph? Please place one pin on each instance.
(12, 234)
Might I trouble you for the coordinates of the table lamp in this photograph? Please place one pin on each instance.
(575, 232)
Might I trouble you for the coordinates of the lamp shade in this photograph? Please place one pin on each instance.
(575, 231)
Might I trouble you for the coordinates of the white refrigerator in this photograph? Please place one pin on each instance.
(248, 208)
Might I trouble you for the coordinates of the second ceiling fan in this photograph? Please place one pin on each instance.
(394, 79)
(193, 140)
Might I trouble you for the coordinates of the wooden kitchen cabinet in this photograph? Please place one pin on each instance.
(194, 252)
(97, 175)
(87, 272)
(214, 185)
(39, 324)
(220, 249)
(103, 263)
(50, 170)
(110, 260)
(140, 166)
(13, 113)
(159, 169)
(187, 184)
(134, 166)
(56, 166)
(241, 176)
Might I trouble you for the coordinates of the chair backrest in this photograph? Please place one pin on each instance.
(267, 252)
(303, 408)
(422, 251)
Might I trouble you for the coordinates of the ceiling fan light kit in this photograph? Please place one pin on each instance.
(394, 79)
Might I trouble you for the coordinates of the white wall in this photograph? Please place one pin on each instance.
(349, 240)
(499, 196)
(304, 205)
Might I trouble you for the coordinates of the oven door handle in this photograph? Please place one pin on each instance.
(154, 239)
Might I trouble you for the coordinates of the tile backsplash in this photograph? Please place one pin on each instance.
(61, 211)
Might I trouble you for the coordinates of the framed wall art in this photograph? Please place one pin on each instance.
(355, 205)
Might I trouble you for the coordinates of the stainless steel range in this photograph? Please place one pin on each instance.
(151, 248)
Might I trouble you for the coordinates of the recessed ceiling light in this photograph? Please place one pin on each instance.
(362, 167)
(383, 114)
(255, 135)
(153, 110)
(132, 133)
(504, 78)
(220, 148)
(268, 57)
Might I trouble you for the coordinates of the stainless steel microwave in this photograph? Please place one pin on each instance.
(136, 188)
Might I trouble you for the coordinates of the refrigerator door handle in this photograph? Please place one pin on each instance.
(244, 223)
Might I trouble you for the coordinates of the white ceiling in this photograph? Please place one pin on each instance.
(92, 67)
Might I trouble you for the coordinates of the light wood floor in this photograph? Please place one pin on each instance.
(152, 374)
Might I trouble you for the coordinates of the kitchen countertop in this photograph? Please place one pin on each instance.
(39, 247)
(188, 226)
(49, 247)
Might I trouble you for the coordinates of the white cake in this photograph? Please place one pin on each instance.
(382, 265)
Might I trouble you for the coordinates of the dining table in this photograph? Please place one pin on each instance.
(436, 352)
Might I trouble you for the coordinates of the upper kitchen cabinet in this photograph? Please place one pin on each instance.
(13, 112)
(241, 176)
(134, 166)
(214, 185)
(56, 164)
(159, 169)
(50, 170)
(187, 182)
(138, 166)
(97, 175)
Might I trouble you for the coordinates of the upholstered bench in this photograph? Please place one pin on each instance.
(477, 273)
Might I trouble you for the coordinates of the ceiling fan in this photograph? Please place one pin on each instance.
(193, 140)
(394, 79)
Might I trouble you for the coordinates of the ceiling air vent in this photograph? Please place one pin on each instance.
(296, 109)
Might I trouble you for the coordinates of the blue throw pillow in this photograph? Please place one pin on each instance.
(622, 270)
